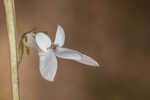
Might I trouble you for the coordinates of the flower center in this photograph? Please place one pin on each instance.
(53, 46)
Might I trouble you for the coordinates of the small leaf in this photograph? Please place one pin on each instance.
(20, 51)
(27, 50)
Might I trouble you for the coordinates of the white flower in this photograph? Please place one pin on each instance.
(48, 51)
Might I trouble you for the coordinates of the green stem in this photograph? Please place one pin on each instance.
(11, 27)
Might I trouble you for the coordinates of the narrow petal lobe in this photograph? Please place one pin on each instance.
(88, 60)
(76, 56)
(48, 65)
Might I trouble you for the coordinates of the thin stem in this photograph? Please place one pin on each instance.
(11, 27)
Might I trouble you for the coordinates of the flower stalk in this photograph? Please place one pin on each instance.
(11, 28)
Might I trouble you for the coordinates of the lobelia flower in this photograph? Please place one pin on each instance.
(48, 50)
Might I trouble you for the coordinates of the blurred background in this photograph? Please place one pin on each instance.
(114, 32)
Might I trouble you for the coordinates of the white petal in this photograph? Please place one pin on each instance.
(48, 65)
(76, 56)
(43, 41)
(60, 37)
(67, 53)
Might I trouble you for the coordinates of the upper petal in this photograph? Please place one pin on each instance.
(48, 65)
(60, 36)
(43, 41)
(76, 56)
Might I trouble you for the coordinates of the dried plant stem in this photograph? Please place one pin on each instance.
(11, 27)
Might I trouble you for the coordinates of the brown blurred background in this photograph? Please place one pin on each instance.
(114, 32)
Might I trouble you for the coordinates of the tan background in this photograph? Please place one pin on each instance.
(114, 32)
